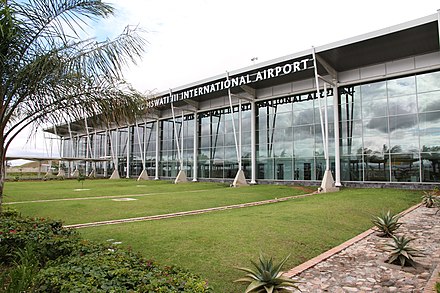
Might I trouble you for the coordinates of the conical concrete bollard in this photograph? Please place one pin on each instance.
(115, 175)
(328, 184)
(240, 179)
(181, 177)
(143, 176)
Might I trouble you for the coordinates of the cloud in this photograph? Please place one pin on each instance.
(196, 39)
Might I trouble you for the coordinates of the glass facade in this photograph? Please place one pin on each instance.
(289, 137)
(217, 155)
(389, 131)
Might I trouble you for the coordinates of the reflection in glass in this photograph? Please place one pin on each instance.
(374, 91)
(402, 105)
(401, 86)
(376, 127)
(396, 140)
(405, 167)
(428, 82)
(429, 101)
(430, 166)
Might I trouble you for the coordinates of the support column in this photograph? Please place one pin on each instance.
(156, 177)
(253, 143)
(181, 176)
(196, 147)
(61, 172)
(328, 183)
(92, 174)
(337, 137)
(127, 174)
(115, 155)
(240, 179)
(106, 152)
(142, 150)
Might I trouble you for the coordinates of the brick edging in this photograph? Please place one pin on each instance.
(314, 261)
(187, 213)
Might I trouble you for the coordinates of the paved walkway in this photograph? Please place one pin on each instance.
(358, 265)
(180, 214)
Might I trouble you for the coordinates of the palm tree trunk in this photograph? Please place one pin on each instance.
(2, 171)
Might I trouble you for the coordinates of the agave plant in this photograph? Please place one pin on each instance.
(267, 277)
(387, 223)
(429, 199)
(401, 252)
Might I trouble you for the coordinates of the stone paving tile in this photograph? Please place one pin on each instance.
(361, 266)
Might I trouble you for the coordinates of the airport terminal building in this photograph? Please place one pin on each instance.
(366, 109)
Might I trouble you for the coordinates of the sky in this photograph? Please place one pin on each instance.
(195, 39)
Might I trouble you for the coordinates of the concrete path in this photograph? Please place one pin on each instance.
(187, 213)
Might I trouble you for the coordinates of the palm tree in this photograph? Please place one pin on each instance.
(49, 74)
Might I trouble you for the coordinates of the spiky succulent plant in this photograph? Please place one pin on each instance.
(267, 277)
(387, 223)
(401, 252)
(430, 199)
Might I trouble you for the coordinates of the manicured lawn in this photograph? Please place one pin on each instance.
(56, 189)
(163, 198)
(213, 244)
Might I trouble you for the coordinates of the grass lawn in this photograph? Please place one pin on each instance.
(213, 244)
(161, 198)
(56, 189)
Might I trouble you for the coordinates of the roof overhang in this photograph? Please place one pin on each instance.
(413, 38)
(409, 39)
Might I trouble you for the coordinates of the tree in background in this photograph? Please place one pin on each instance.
(50, 74)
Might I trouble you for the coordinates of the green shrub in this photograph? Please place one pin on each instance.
(111, 269)
(60, 261)
(401, 252)
(386, 223)
(47, 236)
(21, 276)
(267, 277)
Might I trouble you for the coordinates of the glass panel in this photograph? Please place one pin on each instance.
(404, 135)
(402, 105)
(428, 82)
(430, 131)
(377, 169)
(350, 146)
(375, 126)
(304, 138)
(283, 120)
(430, 167)
(351, 128)
(374, 91)
(405, 168)
(351, 168)
(283, 169)
(246, 138)
(374, 108)
(262, 151)
(304, 169)
(401, 86)
(303, 117)
(429, 101)
(376, 144)
(284, 108)
(265, 169)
